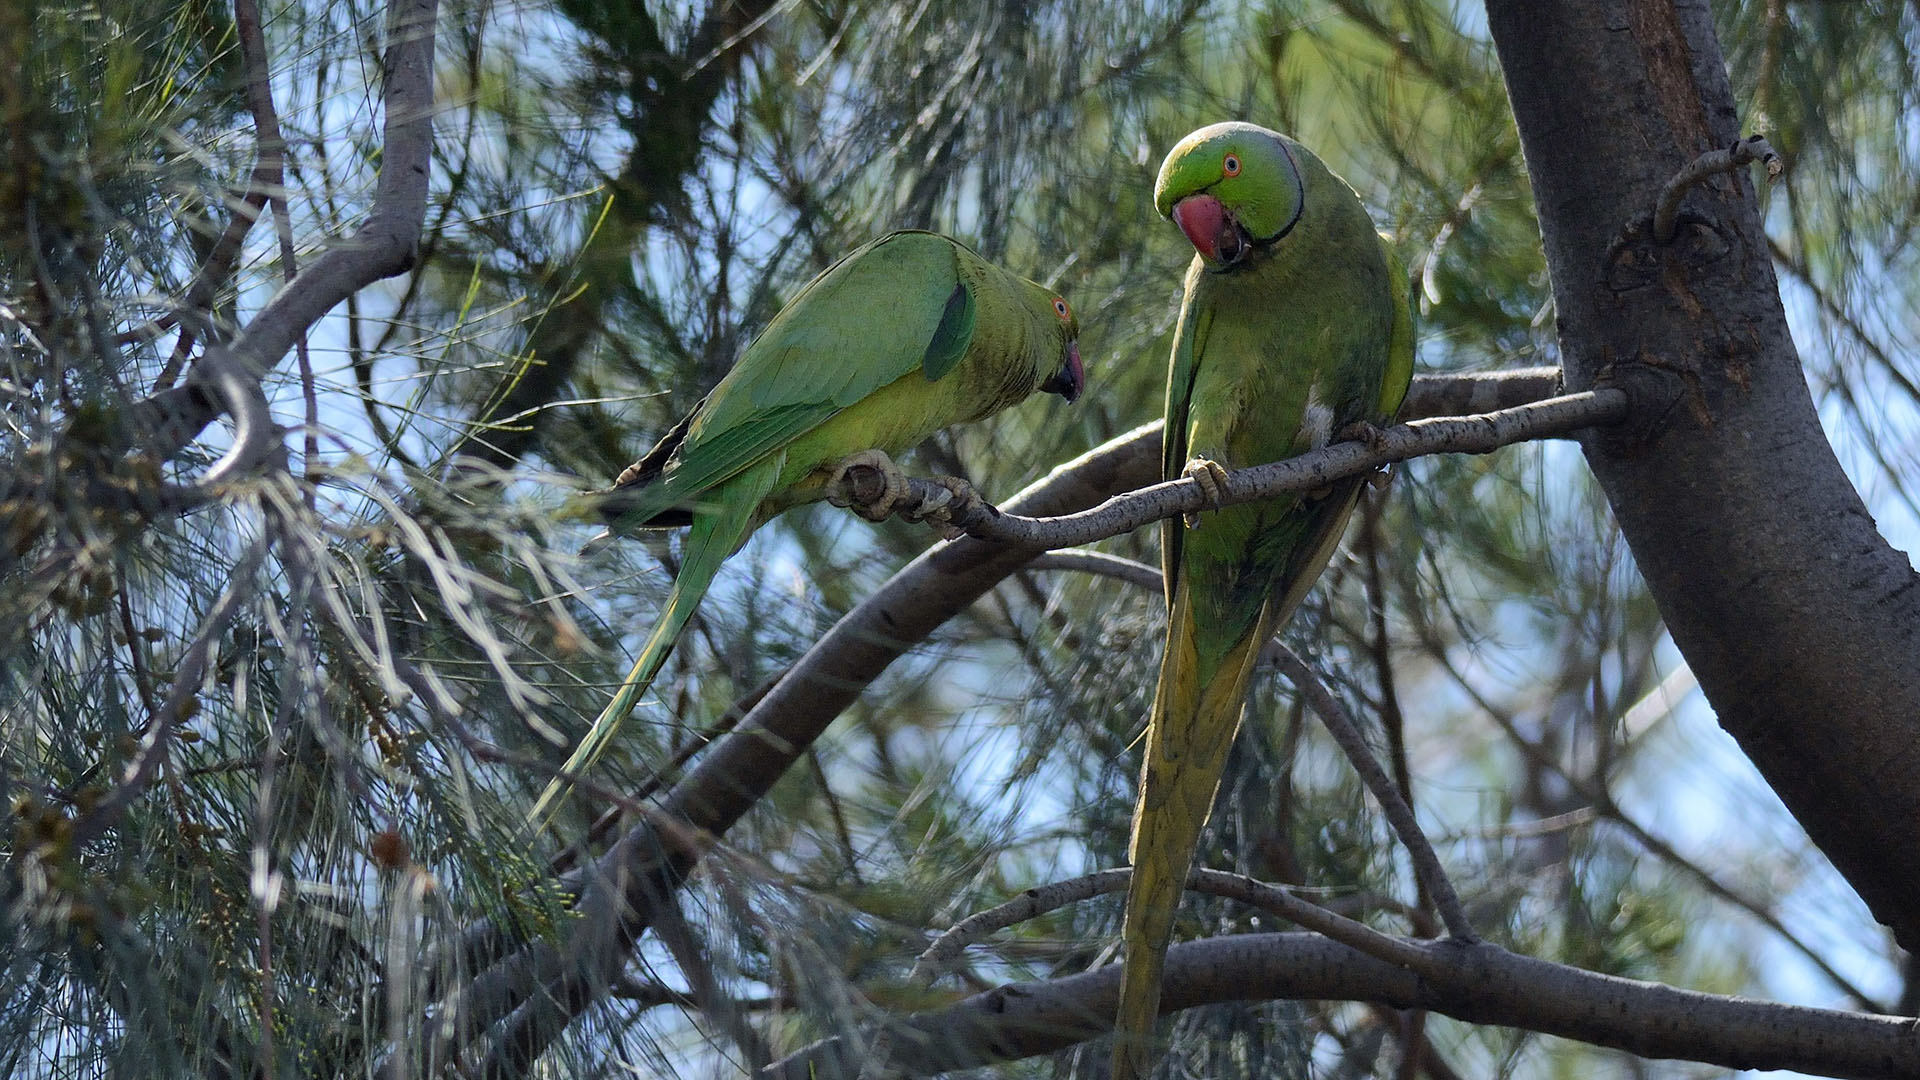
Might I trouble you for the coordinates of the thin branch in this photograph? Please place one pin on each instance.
(1478, 983)
(1128, 511)
(1750, 149)
(1281, 901)
(269, 175)
(1602, 803)
(1426, 864)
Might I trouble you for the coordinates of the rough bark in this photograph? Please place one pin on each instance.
(1796, 615)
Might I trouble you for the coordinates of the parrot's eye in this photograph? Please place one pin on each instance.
(1231, 165)
(1061, 309)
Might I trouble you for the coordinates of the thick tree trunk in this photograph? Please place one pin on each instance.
(1796, 615)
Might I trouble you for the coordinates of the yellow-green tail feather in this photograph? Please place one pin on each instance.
(1195, 715)
(717, 530)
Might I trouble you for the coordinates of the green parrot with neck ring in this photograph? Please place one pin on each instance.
(1295, 329)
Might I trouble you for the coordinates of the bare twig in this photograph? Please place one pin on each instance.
(1482, 983)
(1426, 864)
(1126, 512)
(188, 675)
(1042, 899)
(1750, 149)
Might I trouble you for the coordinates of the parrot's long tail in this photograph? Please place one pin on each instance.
(713, 537)
(1194, 718)
(1196, 710)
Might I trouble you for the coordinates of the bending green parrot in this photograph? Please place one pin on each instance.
(906, 335)
(1295, 327)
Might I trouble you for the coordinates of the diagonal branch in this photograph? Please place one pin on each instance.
(1340, 724)
(1426, 864)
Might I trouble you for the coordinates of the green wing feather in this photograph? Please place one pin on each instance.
(888, 308)
(1189, 342)
(953, 335)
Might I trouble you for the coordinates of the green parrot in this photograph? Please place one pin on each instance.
(904, 336)
(1295, 328)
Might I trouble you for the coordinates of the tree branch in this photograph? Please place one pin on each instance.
(1038, 901)
(1128, 511)
(1426, 863)
(1479, 983)
(383, 247)
(190, 672)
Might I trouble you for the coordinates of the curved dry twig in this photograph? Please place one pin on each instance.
(1750, 149)
(255, 433)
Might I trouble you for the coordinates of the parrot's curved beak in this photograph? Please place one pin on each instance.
(1070, 379)
(1211, 229)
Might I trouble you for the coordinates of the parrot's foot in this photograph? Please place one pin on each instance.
(1212, 480)
(1362, 431)
(870, 484)
(951, 503)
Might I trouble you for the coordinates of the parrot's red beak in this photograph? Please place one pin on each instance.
(1210, 229)
(1070, 379)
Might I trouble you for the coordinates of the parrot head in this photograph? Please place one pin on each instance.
(1233, 189)
(1070, 377)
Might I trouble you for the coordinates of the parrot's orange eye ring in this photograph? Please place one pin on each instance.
(1061, 309)
(1230, 165)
